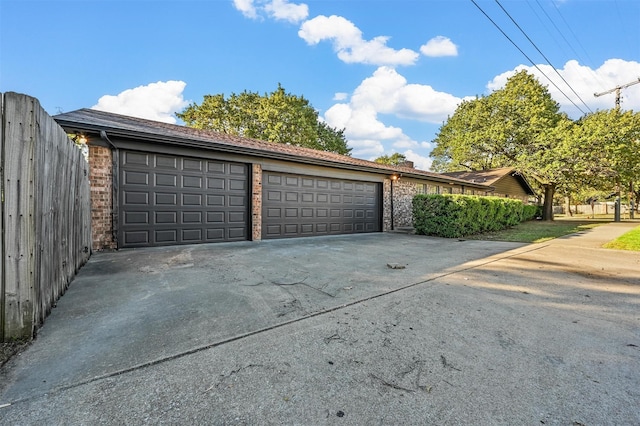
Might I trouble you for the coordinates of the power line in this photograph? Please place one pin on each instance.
(591, 63)
(543, 55)
(525, 55)
(551, 34)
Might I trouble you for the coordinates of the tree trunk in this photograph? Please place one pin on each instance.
(547, 210)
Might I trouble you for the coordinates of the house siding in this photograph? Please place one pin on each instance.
(509, 187)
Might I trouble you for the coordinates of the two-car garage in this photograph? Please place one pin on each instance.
(172, 199)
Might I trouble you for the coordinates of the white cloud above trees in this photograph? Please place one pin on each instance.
(387, 92)
(349, 44)
(439, 46)
(156, 101)
(585, 81)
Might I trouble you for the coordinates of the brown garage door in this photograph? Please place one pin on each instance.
(169, 199)
(299, 205)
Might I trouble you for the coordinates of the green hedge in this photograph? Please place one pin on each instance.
(455, 216)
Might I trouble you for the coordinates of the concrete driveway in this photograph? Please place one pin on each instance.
(322, 331)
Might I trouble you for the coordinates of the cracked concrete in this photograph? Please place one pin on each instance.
(321, 331)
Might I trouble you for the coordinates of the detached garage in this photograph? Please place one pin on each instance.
(155, 184)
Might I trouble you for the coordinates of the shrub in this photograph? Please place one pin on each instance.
(455, 216)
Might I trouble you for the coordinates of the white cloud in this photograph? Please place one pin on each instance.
(439, 46)
(246, 7)
(340, 96)
(366, 148)
(285, 11)
(388, 92)
(349, 44)
(419, 161)
(280, 10)
(585, 81)
(405, 143)
(156, 101)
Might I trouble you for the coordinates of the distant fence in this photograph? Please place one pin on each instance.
(46, 216)
(598, 208)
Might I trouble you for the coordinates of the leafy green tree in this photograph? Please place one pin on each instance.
(605, 150)
(517, 126)
(276, 117)
(394, 159)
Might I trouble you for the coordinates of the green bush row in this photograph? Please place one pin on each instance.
(455, 216)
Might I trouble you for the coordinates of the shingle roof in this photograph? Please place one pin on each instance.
(492, 176)
(482, 176)
(88, 120)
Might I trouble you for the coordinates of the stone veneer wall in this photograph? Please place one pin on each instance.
(256, 202)
(101, 181)
(403, 193)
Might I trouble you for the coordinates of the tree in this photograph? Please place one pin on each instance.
(518, 126)
(605, 147)
(394, 159)
(276, 117)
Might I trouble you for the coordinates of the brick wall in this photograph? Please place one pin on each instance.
(256, 202)
(101, 180)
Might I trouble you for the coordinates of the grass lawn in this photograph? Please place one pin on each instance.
(537, 231)
(628, 241)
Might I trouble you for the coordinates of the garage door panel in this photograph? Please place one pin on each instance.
(191, 199)
(237, 169)
(237, 217)
(237, 185)
(136, 237)
(215, 234)
(164, 179)
(191, 235)
(169, 199)
(166, 236)
(192, 182)
(164, 162)
(194, 165)
(136, 178)
(133, 217)
(136, 198)
(299, 205)
(237, 234)
(136, 159)
(215, 200)
(166, 218)
(191, 217)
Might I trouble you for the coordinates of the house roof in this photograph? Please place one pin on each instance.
(492, 177)
(116, 125)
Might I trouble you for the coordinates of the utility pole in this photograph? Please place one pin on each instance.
(617, 89)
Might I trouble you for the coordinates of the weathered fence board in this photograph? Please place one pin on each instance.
(47, 215)
(19, 235)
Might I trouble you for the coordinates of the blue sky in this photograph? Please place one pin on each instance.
(388, 71)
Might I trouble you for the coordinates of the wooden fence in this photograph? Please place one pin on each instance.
(46, 216)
